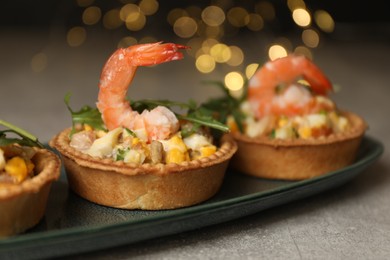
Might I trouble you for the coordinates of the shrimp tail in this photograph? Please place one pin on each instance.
(117, 74)
(145, 54)
(319, 83)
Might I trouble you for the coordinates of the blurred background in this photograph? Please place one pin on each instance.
(50, 48)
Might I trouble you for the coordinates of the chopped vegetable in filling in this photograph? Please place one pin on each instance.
(122, 144)
(15, 164)
(310, 126)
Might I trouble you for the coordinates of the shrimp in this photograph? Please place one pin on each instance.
(115, 78)
(274, 90)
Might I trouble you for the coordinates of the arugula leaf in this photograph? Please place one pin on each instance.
(86, 115)
(227, 104)
(27, 139)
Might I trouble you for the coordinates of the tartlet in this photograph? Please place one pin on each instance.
(299, 158)
(146, 186)
(134, 154)
(285, 124)
(22, 205)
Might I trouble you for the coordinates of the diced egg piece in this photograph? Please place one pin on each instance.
(317, 120)
(196, 141)
(343, 123)
(141, 134)
(284, 133)
(103, 147)
(134, 156)
(201, 144)
(256, 128)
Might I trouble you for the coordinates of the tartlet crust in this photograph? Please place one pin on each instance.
(23, 205)
(147, 186)
(299, 158)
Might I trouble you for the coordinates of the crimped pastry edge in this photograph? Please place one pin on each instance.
(61, 143)
(49, 173)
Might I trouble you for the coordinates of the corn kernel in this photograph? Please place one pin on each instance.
(304, 132)
(100, 133)
(17, 168)
(176, 156)
(87, 127)
(135, 141)
(282, 122)
(231, 123)
(207, 150)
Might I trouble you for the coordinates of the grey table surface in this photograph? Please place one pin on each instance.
(349, 222)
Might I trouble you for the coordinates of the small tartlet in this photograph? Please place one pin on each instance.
(22, 206)
(298, 159)
(147, 186)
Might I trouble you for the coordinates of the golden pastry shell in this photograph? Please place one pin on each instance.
(299, 158)
(147, 186)
(23, 205)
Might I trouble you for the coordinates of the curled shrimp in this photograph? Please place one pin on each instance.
(115, 78)
(274, 88)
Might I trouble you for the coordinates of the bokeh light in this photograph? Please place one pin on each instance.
(251, 69)
(76, 36)
(135, 21)
(127, 41)
(255, 22)
(303, 50)
(205, 63)
(324, 21)
(238, 17)
(39, 62)
(236, 56)
(276, 51)
(91, 15)
(301, 17)
(220, 52)
(310, 38)
(148, 7)
(175, 14)
(111, 19)
(185, 27)
(234, 81)
(213, 15)
(213, 30)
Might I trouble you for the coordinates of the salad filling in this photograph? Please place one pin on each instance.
(123, 144)
(16, 153)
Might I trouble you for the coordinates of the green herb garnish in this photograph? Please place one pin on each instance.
(227, 104)
(121, 153)
(130, 132)
(26, 138)
(86, 115)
